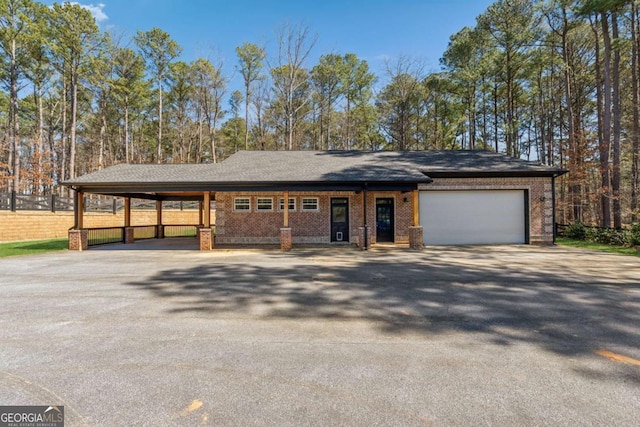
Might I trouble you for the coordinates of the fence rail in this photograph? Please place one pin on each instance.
(142, 232)
(105, 235)
(176, 230)
(52, 203)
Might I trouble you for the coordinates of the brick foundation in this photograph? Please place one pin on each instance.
(364, 237)
(416, 238)
(205, 237)
(286, 241)
(78, 240)
(128, 235)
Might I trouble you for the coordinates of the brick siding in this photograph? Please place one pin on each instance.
(253, 227)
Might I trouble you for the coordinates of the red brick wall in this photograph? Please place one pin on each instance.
(540, 199)
(307, 227)
(315, 227)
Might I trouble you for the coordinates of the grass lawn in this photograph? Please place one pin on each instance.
(32, 247)
(563, 241)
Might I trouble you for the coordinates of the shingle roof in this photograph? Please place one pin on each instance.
(319, 167)
(155, 173)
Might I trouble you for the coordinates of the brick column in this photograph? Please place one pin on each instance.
(78, 240)
(128, 235)
(362, 232)
(416, 237)
(205, 237)
(286, 239)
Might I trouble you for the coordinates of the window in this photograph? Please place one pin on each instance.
(292, 204)
(264, 204)
(242, 204)
(310, 204)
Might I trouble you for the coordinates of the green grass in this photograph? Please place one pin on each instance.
(563, 241)
(32, 247)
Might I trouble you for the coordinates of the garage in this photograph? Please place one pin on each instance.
(474, 217)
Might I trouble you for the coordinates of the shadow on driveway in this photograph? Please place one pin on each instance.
(566, 301)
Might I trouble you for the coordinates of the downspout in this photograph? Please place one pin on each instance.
(364, 209)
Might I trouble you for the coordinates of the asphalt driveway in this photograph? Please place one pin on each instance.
(512, 335)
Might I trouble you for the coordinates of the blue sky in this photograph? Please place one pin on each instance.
(375, 30)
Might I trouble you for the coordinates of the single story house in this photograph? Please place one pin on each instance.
(363, 198)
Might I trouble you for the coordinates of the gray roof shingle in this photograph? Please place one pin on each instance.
(319, 167)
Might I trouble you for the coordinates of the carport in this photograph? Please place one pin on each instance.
(158, 183)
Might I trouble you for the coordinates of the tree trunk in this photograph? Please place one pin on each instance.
(635, 136)
(14, 124)
(495, 114)
(103, 133)
(72, 131)
(574, 162)
(159, 148)
(127, 154)
(246, 115)
(63, 135)
(39, 139)
(615, 176)
(605, 142)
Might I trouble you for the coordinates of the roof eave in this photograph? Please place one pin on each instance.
(139, 187)
(497, 174)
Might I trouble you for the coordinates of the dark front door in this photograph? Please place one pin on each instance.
(340, 219)
(384, 220)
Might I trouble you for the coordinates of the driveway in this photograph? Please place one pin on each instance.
(513, 335)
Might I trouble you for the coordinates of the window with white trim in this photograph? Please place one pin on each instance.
(264, 204)
(310, 204)
(292, 204)
(242, 204)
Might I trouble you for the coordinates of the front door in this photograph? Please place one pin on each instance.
(340, 219)
(384, 220)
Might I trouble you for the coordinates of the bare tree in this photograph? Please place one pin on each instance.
(289, 75)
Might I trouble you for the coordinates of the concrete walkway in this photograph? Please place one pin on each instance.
(134, 335)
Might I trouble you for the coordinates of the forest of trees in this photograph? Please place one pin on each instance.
(553, 81)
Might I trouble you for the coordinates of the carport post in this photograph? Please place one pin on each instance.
(79, 210)
(416, 208)
(78, 236)
(416, 232)
(205, 234)
(127, 212)
(128, 230)
(285, 209)
(159, 227)
(207, 209)
(286, 239)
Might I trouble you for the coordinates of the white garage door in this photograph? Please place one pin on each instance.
(473, 217)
